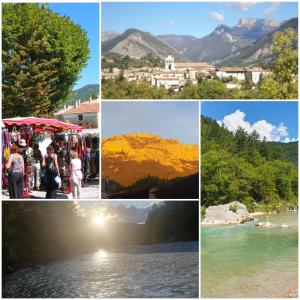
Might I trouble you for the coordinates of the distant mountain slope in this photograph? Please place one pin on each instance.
(108, 35)
(253, 29)
(289, 150)
(179, 42)
(260, 51)
(137, 44)
(218, 44)
(225, 40)
(84, 93)
(129, 157)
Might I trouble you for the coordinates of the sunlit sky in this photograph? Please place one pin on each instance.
(277, 121)
(118, 211)
(197, 19)
(169, 119)
(87, 16)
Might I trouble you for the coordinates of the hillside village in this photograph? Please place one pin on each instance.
(175, 75)
(233, 55)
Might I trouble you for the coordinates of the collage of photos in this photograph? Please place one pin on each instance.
(149, 149)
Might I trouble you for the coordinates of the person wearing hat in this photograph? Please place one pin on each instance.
(17, 171)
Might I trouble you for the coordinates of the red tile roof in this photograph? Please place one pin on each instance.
(84, 107)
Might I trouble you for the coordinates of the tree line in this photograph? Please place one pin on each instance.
(241, 167)
(125, 62)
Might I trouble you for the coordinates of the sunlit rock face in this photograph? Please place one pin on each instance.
(127, 158)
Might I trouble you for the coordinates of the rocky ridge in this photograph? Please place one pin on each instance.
(129, 157)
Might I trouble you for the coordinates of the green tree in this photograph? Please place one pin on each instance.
(282, 84)
(212, 89)
(43, 54)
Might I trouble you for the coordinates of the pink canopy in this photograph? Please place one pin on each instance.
(41, 122)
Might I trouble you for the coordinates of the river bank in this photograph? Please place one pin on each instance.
(246, 261)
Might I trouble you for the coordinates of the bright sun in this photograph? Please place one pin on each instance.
(99, 220)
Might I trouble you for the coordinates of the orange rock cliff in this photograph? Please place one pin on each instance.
(129, 157)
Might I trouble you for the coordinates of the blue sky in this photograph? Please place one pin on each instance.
(179, 120)
(265, 117)
(86, 15)
(196, 19)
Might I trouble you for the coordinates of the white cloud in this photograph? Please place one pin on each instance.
(265, 129)
(214, 15)
(271, 9)
(235, 120)
(243, 6)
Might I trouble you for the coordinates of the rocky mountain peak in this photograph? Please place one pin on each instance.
(129, 157)
(247, 22)
(221, 29)
(251, 22)
(108, 35)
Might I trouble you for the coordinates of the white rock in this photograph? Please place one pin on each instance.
(284, 225)
(222, 215)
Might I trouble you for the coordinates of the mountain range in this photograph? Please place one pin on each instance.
(129, 157)
(246, 43)
(136, 44)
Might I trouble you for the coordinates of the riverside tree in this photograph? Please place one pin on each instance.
(42, 56)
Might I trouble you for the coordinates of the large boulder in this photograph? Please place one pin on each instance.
(231, 213)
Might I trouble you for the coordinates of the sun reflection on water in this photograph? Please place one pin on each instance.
(101, 253)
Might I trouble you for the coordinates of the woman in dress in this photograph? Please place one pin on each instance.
(17, 171)
(76, 175)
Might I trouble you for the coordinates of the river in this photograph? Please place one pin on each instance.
(247, 261)
(163, 270)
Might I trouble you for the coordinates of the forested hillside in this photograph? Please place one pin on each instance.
(241, 167)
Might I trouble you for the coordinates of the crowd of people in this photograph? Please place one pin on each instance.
(46, 170)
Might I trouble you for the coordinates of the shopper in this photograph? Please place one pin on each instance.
(52, 171)
(38, 159)
(76, 175)
(15, 165)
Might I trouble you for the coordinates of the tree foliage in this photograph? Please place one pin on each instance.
(123, 89)
(173, 221)
(42, 54)
(126, 62)
(241, 167)
(282, 84)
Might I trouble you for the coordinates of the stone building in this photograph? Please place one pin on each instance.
(85, 114)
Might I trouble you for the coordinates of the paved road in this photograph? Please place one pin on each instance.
(88, 191)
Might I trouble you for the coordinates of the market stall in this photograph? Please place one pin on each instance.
(38, 133)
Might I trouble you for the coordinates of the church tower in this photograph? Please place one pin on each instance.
(170, 63)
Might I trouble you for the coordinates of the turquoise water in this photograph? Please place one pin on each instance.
(250, 261)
